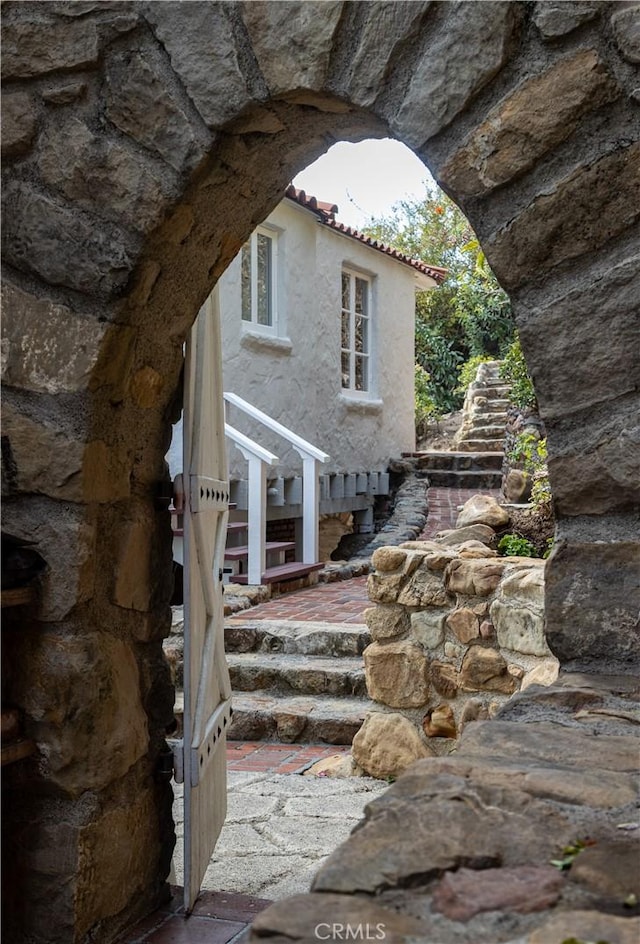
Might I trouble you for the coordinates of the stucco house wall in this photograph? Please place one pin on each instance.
(295, 375)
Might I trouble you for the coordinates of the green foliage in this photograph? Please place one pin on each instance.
(513, 545)
(425, 408)
(530, 453)
(514, 371)
(467, 371)
(570, 852)
(469, 314)
(438, 357)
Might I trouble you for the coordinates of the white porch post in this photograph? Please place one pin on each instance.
(257, 520)
(310, 515)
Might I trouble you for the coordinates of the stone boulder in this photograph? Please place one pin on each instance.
(484, 670)
(386, 745)
(472, 532)
(396, 674)
(482, 509)
(517, 486)
(386, 620)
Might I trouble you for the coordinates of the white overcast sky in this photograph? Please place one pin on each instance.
(365, 179)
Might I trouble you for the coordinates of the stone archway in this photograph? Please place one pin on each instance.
(142, 144)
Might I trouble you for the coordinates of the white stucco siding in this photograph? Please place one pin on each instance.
(295, 376)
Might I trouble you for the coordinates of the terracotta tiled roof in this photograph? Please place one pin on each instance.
(326, 213)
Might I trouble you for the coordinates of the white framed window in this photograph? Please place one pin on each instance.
(259, 282)
(356, 333)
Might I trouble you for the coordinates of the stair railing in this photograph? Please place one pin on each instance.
(311, 456)
(259, 459)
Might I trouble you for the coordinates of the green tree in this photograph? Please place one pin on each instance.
(469, 315)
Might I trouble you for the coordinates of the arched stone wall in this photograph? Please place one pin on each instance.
(142, 142)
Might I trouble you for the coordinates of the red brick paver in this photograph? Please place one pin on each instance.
(272, 758)
(341, 602)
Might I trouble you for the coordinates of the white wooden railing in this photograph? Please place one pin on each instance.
(259, 459)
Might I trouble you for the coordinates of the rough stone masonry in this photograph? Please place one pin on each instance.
(141, 144)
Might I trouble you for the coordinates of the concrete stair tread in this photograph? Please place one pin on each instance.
(297, 674)
(264, 715)
(332, 665)
(306, 637)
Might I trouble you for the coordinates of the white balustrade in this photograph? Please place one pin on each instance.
(259, 458)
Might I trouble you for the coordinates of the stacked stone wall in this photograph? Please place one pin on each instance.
(456, 631)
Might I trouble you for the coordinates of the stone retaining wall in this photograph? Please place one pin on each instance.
(456, 630)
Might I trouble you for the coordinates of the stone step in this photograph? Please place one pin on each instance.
(307, 637)
(460, 461)
(489, 417)
(481, 431)
(296, 674)
(497, 392)
(492, 404)
(480, 445)
(264, 716)
(440, 478)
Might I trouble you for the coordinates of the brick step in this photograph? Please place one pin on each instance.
(480, 445)
(242, 551)
(283, 573)
(296, 674)
(441, 478)
(262, 716)
(302, 637)
(460, 461)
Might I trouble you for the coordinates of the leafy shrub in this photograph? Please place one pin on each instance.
(425, 408)
(467, 371)
(531, 453)
(513, 545)
(514, 371)
(438, 357)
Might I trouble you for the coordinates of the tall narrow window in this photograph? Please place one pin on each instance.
(258, 280)
(356, 332)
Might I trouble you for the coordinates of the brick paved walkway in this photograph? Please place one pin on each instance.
(341, 602)
(269, 757)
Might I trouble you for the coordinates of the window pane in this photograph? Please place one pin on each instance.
(362, 335)
(345, 290)
(264, 280)
(361, 297)
(361, 373)
(345, 330)
(246, 282)
(345, 370)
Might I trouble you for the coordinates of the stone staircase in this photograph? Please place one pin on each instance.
(297, 681)
(484, 416)
(481, 470)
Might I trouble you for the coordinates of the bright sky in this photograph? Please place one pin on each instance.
(365, 179)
